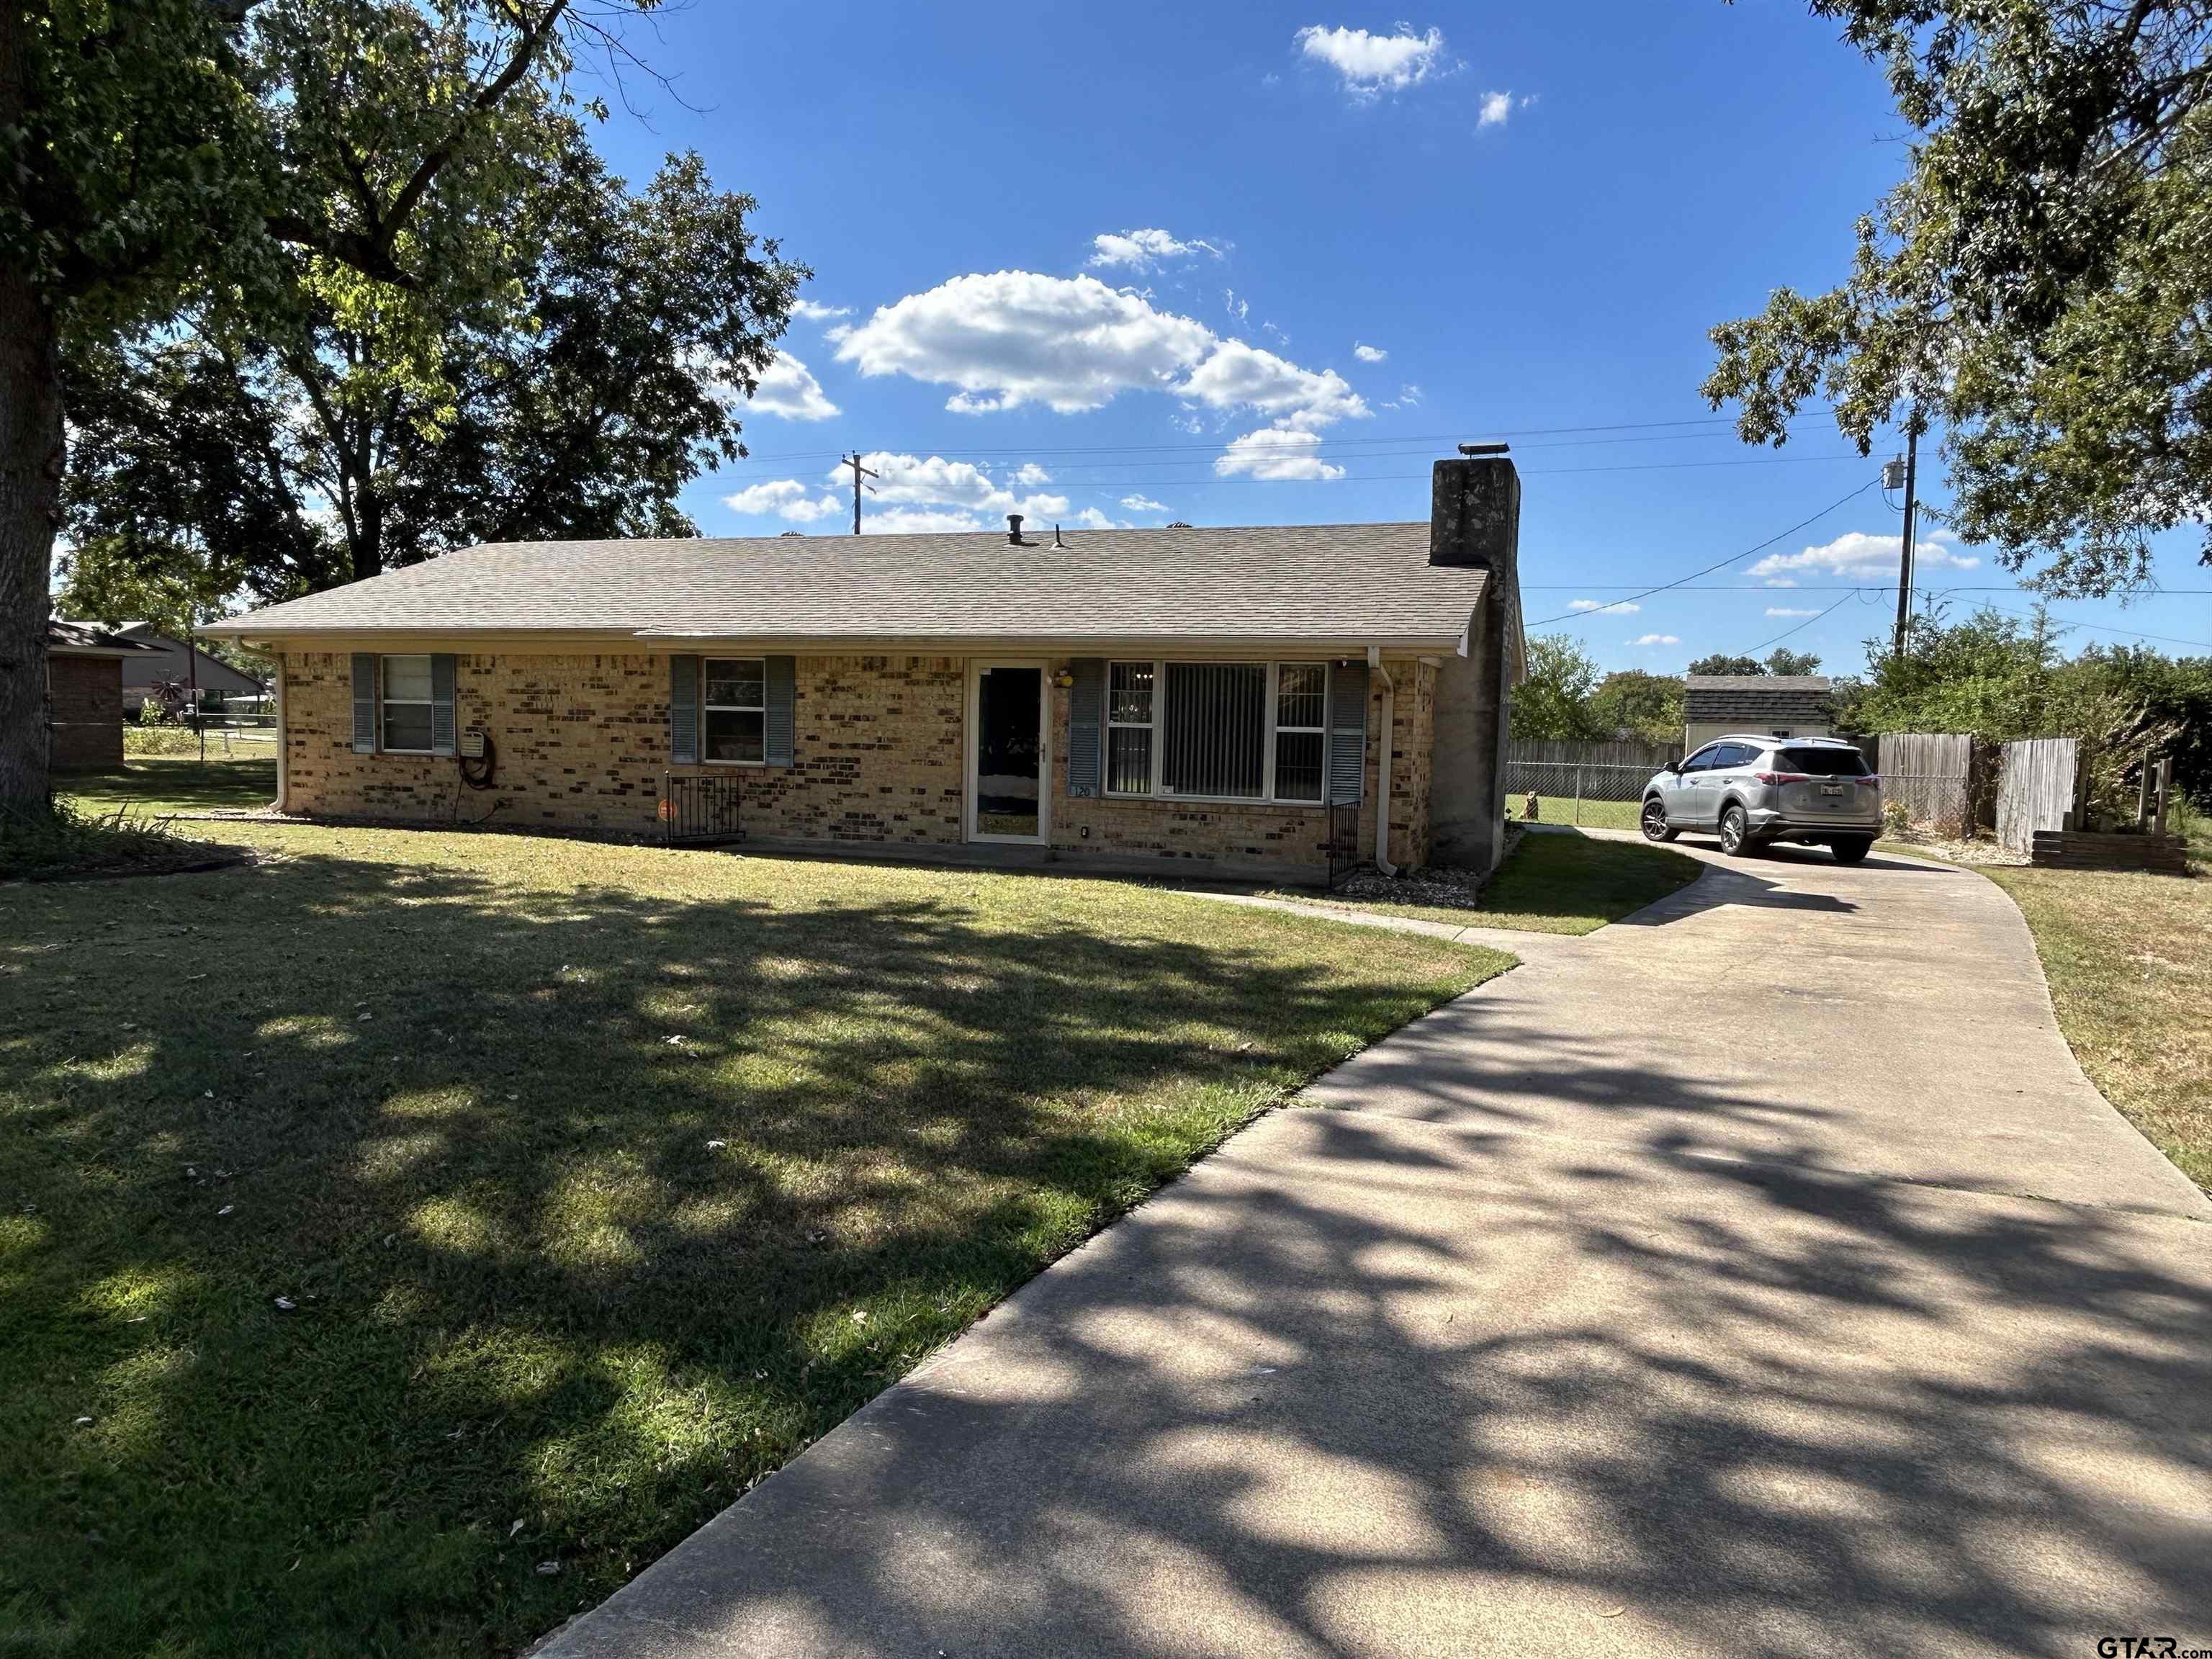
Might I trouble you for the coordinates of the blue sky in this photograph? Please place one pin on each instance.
(1119, 265)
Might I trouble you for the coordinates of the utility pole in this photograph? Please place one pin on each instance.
(1905, 550)
(860, 472)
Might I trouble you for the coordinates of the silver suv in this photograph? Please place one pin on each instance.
(1755, 790)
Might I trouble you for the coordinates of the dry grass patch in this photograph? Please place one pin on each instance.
(2129, 961)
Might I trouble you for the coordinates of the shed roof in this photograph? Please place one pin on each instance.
(77, 639)
(1364, 583)
(1759, 682)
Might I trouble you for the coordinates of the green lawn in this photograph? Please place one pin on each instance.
(155, 785)
(1551, 883)
(416, 1208)
(1584, 815)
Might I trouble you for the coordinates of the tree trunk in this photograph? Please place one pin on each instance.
(30, 483)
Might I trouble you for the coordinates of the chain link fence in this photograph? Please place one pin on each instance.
(1592, 794)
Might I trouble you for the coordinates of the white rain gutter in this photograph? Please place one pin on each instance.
(1382, 769)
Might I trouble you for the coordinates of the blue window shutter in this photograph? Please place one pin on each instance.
(1086, 717)
(782, 709)
(364, 703)
(441, 704)
(683, 711)
(1347, 730)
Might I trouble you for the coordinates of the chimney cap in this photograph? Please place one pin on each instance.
(1485, 449)
(1014, 528)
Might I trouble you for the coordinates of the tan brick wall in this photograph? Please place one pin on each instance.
(583, 744)
(86, 707)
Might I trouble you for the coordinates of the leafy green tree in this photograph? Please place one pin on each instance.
(1553, 699)
(335, 166)
(1782, 660)
(2034, 286)
(1631, 702)
(1718, 664)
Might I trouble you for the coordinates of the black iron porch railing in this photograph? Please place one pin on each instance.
(1343, 841)
(703, 812)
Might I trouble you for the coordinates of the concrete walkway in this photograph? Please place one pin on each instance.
(1756, 1276)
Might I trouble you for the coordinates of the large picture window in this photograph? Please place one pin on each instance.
(734, 711)
(407, 698)
(1217, 730)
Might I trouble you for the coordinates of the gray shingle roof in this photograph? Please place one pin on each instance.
(86, 637)
(1755, 697)
(1364, 582)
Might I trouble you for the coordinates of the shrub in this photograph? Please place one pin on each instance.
(53, 843)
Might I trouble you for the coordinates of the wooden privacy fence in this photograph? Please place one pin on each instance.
(1930, 774)
(2035, 790)
(1626, 751)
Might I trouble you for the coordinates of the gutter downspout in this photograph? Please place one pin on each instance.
(1382, 769)
(283, 747)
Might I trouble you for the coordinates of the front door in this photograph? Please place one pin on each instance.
(1008, 799)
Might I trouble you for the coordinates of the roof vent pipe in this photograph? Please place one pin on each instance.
(1056, 541)
(1014, 528)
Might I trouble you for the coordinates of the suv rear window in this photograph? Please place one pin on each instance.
(1825, 762)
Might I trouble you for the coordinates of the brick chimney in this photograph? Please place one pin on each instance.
(1474, 509)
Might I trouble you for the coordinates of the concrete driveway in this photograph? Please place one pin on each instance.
(1757, 1276)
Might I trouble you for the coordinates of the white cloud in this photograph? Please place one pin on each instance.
(1029, 475)
(1618, 607)
(1409, 396)
(1369, 65)
(786, 498)
(1496, 106)
(1091, 519)
(1368, 354)
(1141, 249)
(1014, 337)
(789, 389)
(1275, 452)
(1654, 639)
(1143, 504)
(1780, 581)
(1240, 309)
(916, 520)
(1855, 554)
(1009, 337)
(916, 480)
(1788, 610)
(808, 312)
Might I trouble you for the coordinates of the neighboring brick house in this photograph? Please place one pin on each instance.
(1211, 698)
(171, 660)
(84, 695)
(1768, 705)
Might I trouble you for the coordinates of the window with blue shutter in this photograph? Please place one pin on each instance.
(782, 710)
(364, 703)
(441, 705)
(1086, 703)
(683, 711)
(1347, 730)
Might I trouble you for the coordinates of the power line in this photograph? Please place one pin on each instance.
(1731, 558)
(1802, 626)
(2094, 628)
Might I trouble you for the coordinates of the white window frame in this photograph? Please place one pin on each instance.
(1266, 796)
(384, 702)
(1152, 726)
(1275, 731)
(706, 679)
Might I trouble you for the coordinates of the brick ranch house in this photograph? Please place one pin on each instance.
(84, 694)
(1211, 698)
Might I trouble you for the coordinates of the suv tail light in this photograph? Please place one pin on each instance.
(1783, 777)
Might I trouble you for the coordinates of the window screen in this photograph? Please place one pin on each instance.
(734, 711)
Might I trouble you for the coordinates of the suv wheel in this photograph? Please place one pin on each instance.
(1654, 822)
(1735, 833)
(1851, 849)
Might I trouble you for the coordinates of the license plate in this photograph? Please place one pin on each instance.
(1831, 788)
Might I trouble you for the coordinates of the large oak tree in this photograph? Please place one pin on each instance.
(2037, 286)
